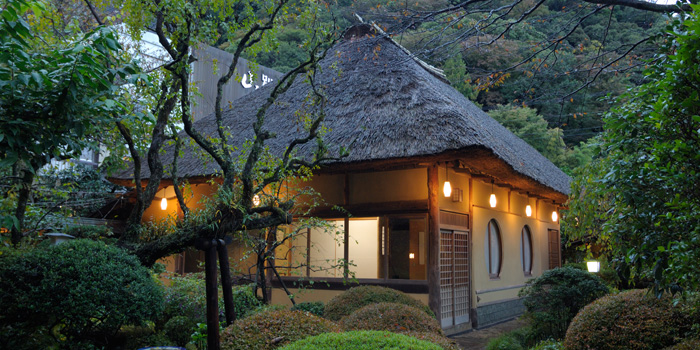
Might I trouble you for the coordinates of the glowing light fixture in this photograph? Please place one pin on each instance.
(256, 200)
(411, 256)
(447, 188)
(555, 216)
(163, 202)
(528, 210)
(492, 199)
(593, 266)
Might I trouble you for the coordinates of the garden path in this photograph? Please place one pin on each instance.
(478, 338)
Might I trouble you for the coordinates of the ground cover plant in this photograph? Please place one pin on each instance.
(361, 340)
(355, 298)
(271, 329)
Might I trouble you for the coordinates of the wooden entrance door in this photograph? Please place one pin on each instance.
(454, 277)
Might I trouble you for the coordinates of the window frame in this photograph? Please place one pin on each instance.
(526, 231)
(489, 251)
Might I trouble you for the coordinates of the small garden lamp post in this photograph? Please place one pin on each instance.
(593, 266)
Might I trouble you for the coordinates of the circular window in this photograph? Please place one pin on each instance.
(526, 250)
(492, 248)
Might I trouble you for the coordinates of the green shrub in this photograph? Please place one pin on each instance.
(315, 307)
(553, 299)
(361, 340)
(92, 232)
(504, 342)
(439, 340)
(629, 320)
(549, 344)
(391, 317)
(354, 298)
(82, 291)
(179, 329)
(244, 301)
(273, 328)
(185, 296)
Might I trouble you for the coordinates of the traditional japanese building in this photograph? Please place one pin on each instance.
(465, 253)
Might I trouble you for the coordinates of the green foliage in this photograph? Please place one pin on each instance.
(630, 320)
(456, 72)
(361, 340)
(272, 329)
(81, 292)
(244, 301)
(548, 345)
(514, 340)
(525, 123)
(391, 317)
(179, 329)
(433, 338)
(688, 344)
(185, 296)
(357, 297)
(644, 190)
(553, 299)
(315, 307)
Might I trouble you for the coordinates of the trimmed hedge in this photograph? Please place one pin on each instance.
(357, 297)
(687, 344)
(361, 340)
(391, 317)
(315, 307)
(82, 291)
(274, 328)
(629, 320)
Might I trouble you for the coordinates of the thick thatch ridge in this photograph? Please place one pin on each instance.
(381, 105)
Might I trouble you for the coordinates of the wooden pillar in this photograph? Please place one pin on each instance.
(346, 226)
(433, 241)
(226, 284)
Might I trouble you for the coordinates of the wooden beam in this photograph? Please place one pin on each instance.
(433, 241)
(373, 209)
(346, 224)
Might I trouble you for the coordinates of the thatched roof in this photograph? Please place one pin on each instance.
(383, 105)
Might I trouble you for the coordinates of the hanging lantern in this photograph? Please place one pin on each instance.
(528, 210)
(447, 188)
(163, 204)
(492, 199)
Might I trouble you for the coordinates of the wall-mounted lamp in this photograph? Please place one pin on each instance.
(256, 200)
(593, 266)
(492, 199)
(447, 189)
(411, 256)
(555, 215)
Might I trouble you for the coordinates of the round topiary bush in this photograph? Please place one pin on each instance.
(361, 340)
(629, 320)
(355, 298)
(274, 328)
(391, 317)
(80, 292)
(553, 299)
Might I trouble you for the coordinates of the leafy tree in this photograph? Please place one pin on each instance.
(644, 191)
(52, 97)
(456, 72)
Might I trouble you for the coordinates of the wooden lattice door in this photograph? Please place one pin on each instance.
(554, 248)
(454, 277)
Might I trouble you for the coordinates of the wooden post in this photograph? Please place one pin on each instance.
(210, 255)
(226, 284)
(346, 226)
(433, 241)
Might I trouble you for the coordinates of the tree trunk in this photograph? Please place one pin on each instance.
(25, 188)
